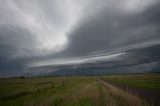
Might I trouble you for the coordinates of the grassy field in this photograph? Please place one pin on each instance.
(144, 81)
(74, 91)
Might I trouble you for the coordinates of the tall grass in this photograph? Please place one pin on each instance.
(64, 91)
(124, 98)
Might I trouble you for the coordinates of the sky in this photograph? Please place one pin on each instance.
(52, 32)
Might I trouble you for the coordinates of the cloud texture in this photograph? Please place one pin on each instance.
(56, 31)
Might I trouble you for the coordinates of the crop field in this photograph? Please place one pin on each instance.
(80, 91)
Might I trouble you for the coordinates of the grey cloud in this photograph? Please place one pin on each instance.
(15, 41)
(47, 20)
(31, 31)
(113, 28)
(107, 26)
(11, 68)
(15, 44)
(48, 11)
(139, 60)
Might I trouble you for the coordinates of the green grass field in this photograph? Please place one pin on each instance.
(143, 81)
(74, 91)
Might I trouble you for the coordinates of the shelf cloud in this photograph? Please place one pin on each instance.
(41, 32)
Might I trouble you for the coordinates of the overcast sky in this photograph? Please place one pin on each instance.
(41, 32)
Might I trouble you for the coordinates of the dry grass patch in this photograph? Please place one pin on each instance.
(124, 98)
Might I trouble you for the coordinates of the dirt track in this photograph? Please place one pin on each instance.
(150, 96)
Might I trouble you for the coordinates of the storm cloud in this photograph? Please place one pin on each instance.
(37, 33)
(115, 27)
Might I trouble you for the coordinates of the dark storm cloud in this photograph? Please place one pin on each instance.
(11, 68)
(40, 31)
(31, 29)
(113, 28)
(139, 60)
(15, 41)
(46, 23)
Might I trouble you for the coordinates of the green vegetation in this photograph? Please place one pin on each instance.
(68, 91)
(143, 81)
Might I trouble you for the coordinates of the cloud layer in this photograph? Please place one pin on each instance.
(115, 26)
(56, 31)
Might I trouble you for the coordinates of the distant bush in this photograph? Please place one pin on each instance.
(22, 77)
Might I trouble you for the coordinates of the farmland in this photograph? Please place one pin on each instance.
(78, 91)
(146, 86)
